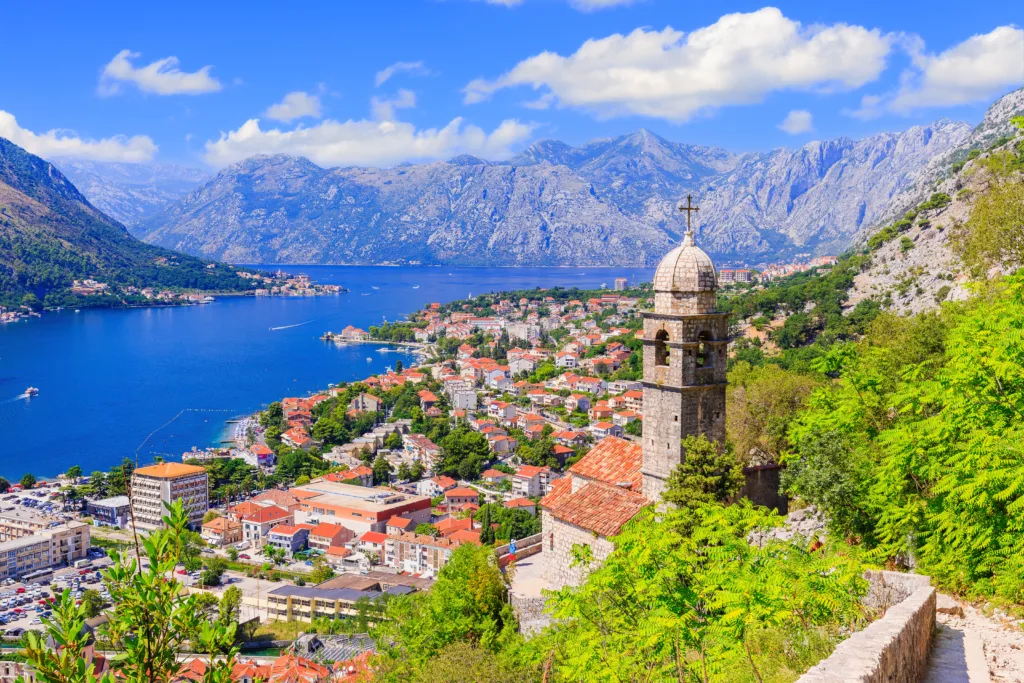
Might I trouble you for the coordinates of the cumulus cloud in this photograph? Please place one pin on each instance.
(162, 77)
(364, 142)
(671, 75)
(972, 71)
(383, 108)
(415, 68)
(62, 143)
(797, 121)
(295, 105)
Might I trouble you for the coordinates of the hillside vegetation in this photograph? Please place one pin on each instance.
(51, 235)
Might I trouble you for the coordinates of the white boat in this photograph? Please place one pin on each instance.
(31, 391)
(375, 286)
(415, 286)
(369, 360)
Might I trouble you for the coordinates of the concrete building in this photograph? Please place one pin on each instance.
(18, 523)
(357, 508)
(157, 485)
(620, 284)
(257, 525)
(418, 553)
(289, 538)
(324, 536)
(28, 555)
(115, 511)
(222, 531)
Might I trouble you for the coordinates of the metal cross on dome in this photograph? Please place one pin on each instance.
(689, 209)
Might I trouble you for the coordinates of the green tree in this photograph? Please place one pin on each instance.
(381, 470)
(230, 604)
(211, 515)
(708, 474)
(393, 442)
(74, 472)
(321, 571)
(151, 619)
(92, 603)
(4, 485)
(27, 481)
(213, 571)
(427, 529)
(469, 603)
(232, 553)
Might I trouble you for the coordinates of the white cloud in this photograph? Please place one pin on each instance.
(162, 77)
(415, 68)
(364, 142)
(972, 71)
(295, 105)
(671, 75)
(594, 5)
(797, 121)
(62, 143)
(384, 108)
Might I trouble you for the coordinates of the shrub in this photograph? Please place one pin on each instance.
(906, 244)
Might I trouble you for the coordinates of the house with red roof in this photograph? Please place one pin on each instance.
(460, 495)
(494, 476)
(399, 525)
(291, 538)
(601, 430)
(296, 437)
(436, 486)
(372, 542)
(325, 535)
(522, 504)
(257, 525)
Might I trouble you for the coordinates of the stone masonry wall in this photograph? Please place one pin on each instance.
(893, 649)
(559, 538)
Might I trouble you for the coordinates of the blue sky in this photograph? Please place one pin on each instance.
(486, 77)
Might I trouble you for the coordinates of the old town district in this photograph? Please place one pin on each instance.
(530, 424)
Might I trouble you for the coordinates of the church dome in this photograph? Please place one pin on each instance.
(686, 269)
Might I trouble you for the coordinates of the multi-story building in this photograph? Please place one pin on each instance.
(222, 531)
(29, 555)
(18, 523)
(418, 553)
(289, 538)
(620, 284)
(257, 525)
(358, 508)
(338, 597)
(157, 485)
(114, 511)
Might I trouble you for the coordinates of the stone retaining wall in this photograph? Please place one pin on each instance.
(892, 649)
(530, 613)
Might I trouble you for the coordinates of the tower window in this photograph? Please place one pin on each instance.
(705, 356)
(661, 351)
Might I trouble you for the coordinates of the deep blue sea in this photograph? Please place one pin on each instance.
(159, 381)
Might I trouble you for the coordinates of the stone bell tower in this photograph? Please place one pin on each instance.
(685, 344)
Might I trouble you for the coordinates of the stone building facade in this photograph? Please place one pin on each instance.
(685, 353)
(684, 382)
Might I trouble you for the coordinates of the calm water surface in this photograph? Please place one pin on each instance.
(162, 380)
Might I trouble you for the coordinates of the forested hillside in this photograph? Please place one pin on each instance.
(51, 235)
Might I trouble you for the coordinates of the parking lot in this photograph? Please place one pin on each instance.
(44, 499)
(22, 605)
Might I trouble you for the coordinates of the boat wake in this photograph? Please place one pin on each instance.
(286, 327)
(19, 397)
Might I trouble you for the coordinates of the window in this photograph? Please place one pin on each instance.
(705, 356)
(661, 350)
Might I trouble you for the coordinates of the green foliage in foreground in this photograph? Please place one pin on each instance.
(916, 448)
(152, 617)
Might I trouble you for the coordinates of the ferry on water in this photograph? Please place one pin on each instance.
(31, 391)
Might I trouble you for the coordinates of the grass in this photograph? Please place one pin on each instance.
(279, 630)
(783, 655)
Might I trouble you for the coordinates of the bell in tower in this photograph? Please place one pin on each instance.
(685, 342)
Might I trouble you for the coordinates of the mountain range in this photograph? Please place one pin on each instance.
(50, 235)
(608, 202)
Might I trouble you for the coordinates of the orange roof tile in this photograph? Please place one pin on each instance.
(598, 507)
(612, 460)
(170, 470)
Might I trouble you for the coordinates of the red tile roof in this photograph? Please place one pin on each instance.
(598, 507)
(373, 537)
(520, 503)
(531, 471)
(612, 460)
(461, 492)
(451, 525)
(267, 514)
(466, 536)
(400, 522)
(327, 530)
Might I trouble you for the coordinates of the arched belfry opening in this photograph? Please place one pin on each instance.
(705, 356)
(662, 356)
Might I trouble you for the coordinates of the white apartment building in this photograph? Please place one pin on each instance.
(168, 482)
